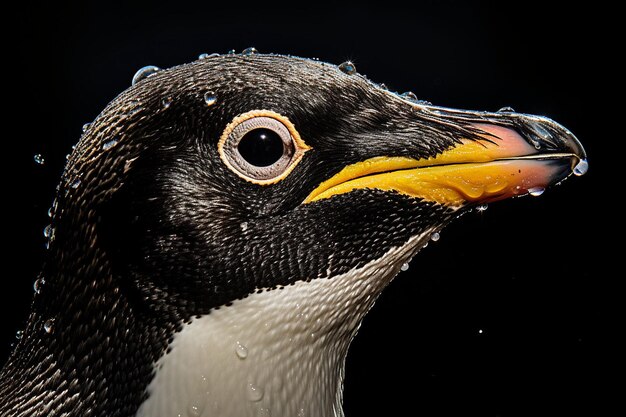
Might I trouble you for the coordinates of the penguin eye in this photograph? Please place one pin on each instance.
(261, 146)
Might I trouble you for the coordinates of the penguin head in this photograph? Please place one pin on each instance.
(205, 183)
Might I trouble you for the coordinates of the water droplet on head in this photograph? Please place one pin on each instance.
(166, 102)
(38, 285)
(383, 86)
(241, 351)
(48, 326)
(86, 127)
(144, 73)
(506, 109)
(50, 212)
(47, 231)
(409, 95)
(536, 191)
(255, 393)
(39, 159)
(75, 184)
(348, 68)
(482, 207)
(404, 267)
(435, 236)
(19, 334)
(210, 98)
(249, 51)
(581, 168)
(232, 52)
(244, 226)
(109, 144)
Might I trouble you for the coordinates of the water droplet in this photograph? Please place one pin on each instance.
(19, 334)
(249, 51)
(409, 95)
(205, 56)
(264, 412)
(536, 144)
(536, 191)
(482, 207)
(47, 231)
(255, 393)
(383, 86)
(48, 326)
(581, 168)
(67, 157)
(51, 212)
(109, 144)
(435, 236)
(38, 285)
(86, 127)
(241, 351)
(75, 184)
(166, 102)
(480, 331)
(404, 267)
(348, 68)
(196, 407)
(506, 109)
(209, 98)
(244, 226)
(144, 72)
(232, 52)
(39, 159)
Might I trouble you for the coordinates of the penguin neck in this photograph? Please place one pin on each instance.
(279, 352)
(82, 337)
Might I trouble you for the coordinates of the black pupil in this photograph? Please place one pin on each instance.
(261, 147)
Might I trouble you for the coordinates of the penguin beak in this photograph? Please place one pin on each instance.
(511, 154)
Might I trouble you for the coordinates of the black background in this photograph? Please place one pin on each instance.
(508, 314)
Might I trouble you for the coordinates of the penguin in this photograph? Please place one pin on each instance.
(222, 227)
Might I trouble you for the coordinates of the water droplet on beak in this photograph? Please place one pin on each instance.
(581, 168)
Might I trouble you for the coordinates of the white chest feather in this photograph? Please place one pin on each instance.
(278, 353)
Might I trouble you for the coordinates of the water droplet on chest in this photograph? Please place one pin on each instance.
(404, 267)
(255, 393)
(241, 351)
